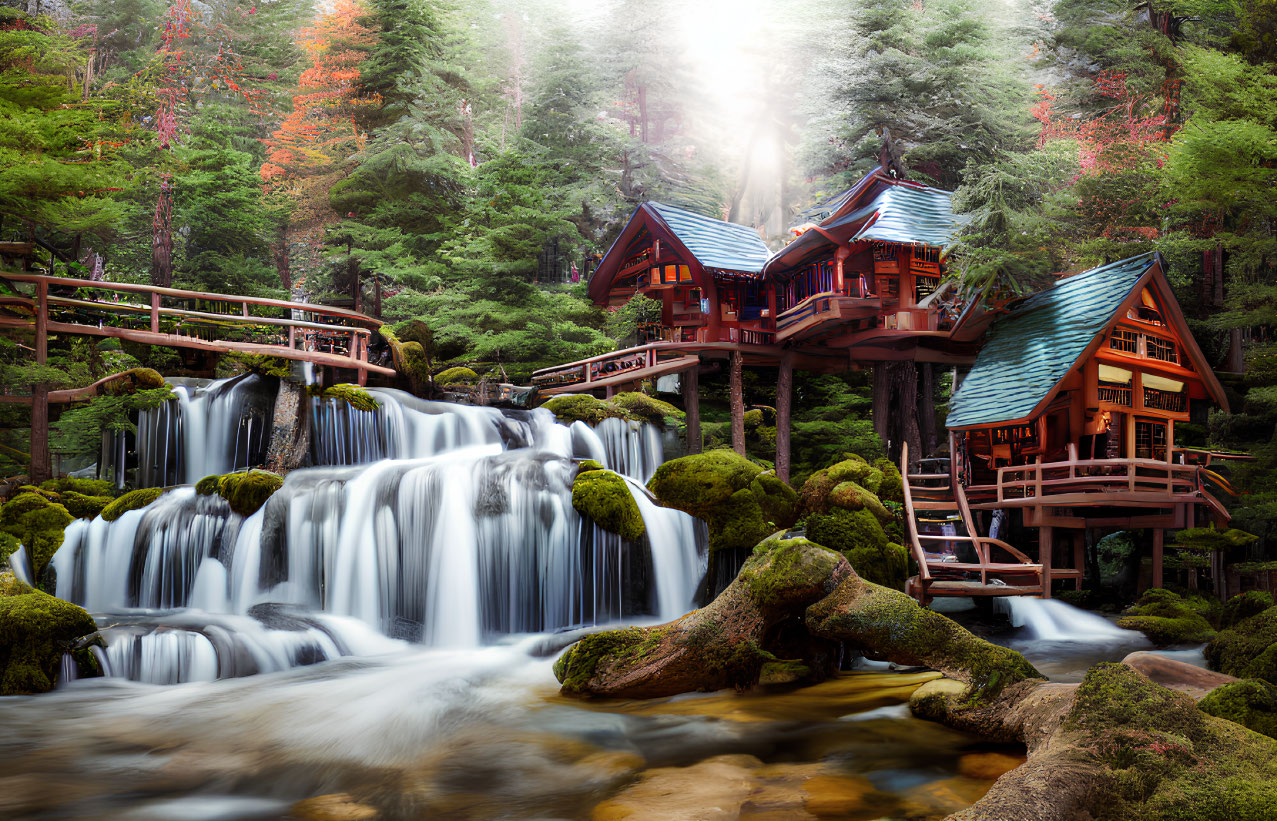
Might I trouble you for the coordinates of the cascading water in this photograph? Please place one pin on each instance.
(453, 527)
(1054, 620)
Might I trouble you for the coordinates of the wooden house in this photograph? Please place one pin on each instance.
(1067, 420)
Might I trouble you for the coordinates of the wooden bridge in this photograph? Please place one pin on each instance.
(179, 319)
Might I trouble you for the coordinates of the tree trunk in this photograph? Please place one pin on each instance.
(737, 399)
(692, 407)
(162, 238)
(784, 400)
(927, 410)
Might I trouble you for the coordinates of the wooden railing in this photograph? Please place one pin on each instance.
(1095, 476)
(193, 319)
(598, 367)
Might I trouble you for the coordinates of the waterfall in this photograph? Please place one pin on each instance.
(1054, 620)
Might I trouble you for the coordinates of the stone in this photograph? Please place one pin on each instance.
(1179, 676)
(332, 807)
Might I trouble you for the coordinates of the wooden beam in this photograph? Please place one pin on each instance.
(692, 407)
(784, 400)
(737, 401)
(1046, 541)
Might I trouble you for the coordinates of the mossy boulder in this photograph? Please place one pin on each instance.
(1243, 606)
(740, 501)
(1251, 703)
(36, 523)
(885, 623)
(457, 376)
(1167, 619)
(1248, 649)
(83, 507)
(36, 629)
(262, 364)
(583, 408)
(133, 380)
(1162, 758)
(645, 408)
(133, 500)
(845, 515)
(603, 497)
(87, 487)
(246, 492)
(724, 644)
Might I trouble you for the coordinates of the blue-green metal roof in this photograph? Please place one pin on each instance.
(1032, 348)
(716, 244)
(910, 215)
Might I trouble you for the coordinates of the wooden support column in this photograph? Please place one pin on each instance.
(927, 409)
(155, 313)
(1079, 557)
(737, 400)
(712, 329)
(1046, 541)
(784, 399)
(692, 407)
(1157, 556)
(41, 469)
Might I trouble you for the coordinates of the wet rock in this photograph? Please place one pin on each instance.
(605, 498)
(1180, 676)
(713, 789)
(246, 492)
(133, 500)
(334, 807)
(36, 629)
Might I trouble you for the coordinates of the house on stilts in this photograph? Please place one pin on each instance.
(1065, 404)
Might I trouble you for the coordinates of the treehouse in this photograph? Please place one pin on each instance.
(869, 275)
(1067, 420)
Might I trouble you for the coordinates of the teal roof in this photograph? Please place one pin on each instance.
(910, 215)
(716, 244)
(1032, 348)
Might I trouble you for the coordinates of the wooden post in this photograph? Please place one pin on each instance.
(1046, 540)
(692, 407)
(737, 400)
(784, 397)
(1157, 557)
(712, 329)
(155, 313)
(1079, 557)
(40, 467)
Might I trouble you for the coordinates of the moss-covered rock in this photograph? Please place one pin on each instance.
(33, 521)
(721, 645)
(83, 507)
(740, 501)
(653, 411)
(262, 364)
(1162, 758)
(843, 513)
(133, 380)
(207, 486)
(1251, 703)
(1248, 649)
(1243, 606)
(86, 487)
(133, 500)
(588, 465)
(457, 376)
(248, 491)
(1167, 619)
(605, 498)
(35, 630)
(352, 395)
(583, 408)
(886, 623)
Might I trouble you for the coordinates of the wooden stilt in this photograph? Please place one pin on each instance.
(737, 400)
(692, 407)
(1079, 558)
(784, 398)
(1157, 556)
(1046, 541)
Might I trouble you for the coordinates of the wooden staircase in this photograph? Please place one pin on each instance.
(960, 563)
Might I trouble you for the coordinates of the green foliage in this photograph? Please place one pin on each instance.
(80, 430)
(457, 376)
(262, 364)
(605, 498)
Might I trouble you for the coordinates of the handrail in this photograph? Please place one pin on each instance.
(247, 320)
(919, 555)
(1170, 475)
(130, 287)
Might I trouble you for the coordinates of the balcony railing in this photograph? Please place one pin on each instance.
(1115, 394)
(1173, 402)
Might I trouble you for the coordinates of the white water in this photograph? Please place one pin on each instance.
(451, 526)
(1054, 620)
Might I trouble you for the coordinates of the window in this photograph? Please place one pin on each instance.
(1150, 440)
(1125, 341)
(1162, 349)
(924, 286)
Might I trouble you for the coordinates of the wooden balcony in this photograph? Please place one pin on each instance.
(616, 368)
(820, 312)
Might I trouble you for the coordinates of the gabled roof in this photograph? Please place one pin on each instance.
(704, 243)
(715, 244)
(1031, 349)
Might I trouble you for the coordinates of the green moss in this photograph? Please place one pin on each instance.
(1242, 607)
(35, 630)
(892, 488)
(583, 408)
(1251, 703)
(84, 507)
(457, 376)
(844, 515)
(207, 486)
(1165, 759)
(133, 500)
(8, 544)
(740, 502)
(1248, 649)
(248, 491)
(415, 362)
(87, 487)
(1167, 619)
(869, 615)
(1209, 538)
(784, 571)
(38, 524)
(605, 498)
(352, 395)
(577, 665)
(133, 380)
(262, 364)
(11, 586)
(753, 419)
(643, 407)
(588, 465)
